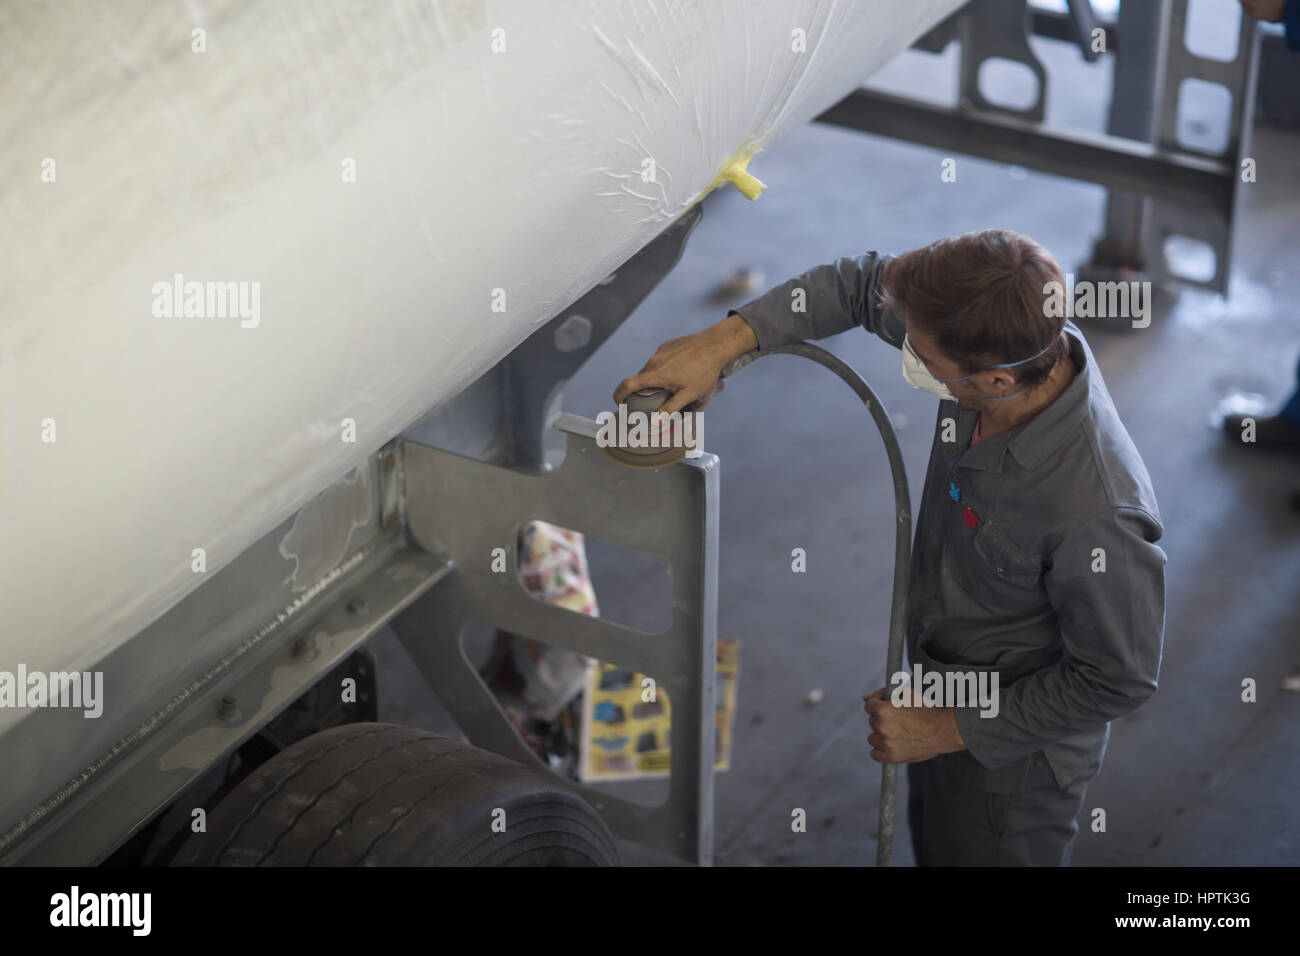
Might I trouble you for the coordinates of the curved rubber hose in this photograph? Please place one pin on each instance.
(902, 547)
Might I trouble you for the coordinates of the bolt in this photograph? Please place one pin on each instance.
(228, 711)
(305, 648)
(573, 333)
(356, 605)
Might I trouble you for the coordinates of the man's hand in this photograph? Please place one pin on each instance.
(910, 734)
(1270, 11)
(689, 366)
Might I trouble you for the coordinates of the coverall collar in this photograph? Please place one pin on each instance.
(1034, 441)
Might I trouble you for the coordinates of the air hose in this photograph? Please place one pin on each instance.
(902, 548)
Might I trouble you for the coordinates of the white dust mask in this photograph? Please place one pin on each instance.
(918, 376)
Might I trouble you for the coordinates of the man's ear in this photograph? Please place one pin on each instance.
(1003, 378)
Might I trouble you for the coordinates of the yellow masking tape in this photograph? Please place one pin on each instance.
(735, 172)
(749, 186)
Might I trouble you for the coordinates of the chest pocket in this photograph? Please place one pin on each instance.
(995, 570)
(1004, 557)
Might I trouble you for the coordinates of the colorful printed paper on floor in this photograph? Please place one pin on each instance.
(627, 720)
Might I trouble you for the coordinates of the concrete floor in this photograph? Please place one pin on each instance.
(1194, 777)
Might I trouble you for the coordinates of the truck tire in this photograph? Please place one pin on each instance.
(386, 795)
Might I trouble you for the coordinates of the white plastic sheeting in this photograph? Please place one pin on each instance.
(401, 192)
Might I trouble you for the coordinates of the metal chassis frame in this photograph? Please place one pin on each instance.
(428, 576)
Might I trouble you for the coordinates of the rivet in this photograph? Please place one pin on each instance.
(356, 605)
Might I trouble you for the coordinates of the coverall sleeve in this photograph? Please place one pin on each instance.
(1112, 631)
(824, 301)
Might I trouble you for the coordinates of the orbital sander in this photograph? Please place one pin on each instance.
(661, 440)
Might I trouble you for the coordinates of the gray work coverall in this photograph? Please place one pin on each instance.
(1052, 579)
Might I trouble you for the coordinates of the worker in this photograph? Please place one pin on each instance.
(1035, 555)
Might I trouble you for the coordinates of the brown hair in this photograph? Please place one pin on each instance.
(982, 296)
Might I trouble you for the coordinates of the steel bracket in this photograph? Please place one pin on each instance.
(466, 510)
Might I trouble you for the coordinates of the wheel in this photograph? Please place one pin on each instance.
(386, 795)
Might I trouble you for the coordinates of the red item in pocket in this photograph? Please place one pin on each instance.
(972, 521)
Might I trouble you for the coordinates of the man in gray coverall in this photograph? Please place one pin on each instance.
(1035, 559)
